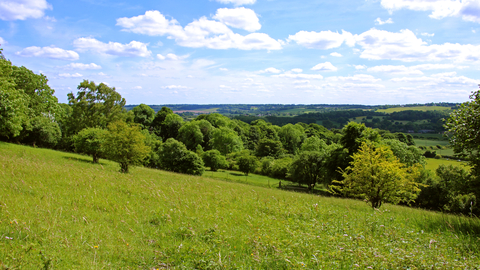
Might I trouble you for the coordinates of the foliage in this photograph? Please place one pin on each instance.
(377, 176)
(13, 103)
(408, 155)
(143, 115)
(175, 157)
(94, 106)
(191, 135)
(268, 147)
(247, 163)
(291, 137)
(226, 141)
(125, 144)
(308, 168)
(214, 160)
(154, 143)
(355, 134)
(464, 127)
(170, 126)
(89, 141)
(44, 132)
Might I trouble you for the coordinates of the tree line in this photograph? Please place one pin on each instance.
(354, 161)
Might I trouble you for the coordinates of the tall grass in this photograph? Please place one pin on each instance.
(59, 211)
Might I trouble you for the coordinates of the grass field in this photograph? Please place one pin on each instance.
(421, 142)
(60, 211)
(432, 163)
(417, 108)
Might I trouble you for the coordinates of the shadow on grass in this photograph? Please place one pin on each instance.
(302, 189)
(85, 160)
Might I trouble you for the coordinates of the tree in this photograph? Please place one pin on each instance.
(214, 160)
(157, 122)
(175, 157)
(377, 176)
(125, 144)
(94, 106)
(191, 135)
(226, 141)
(143, 115)
(463, 126)
(170, 126)
(89, 141)
(308, 168)
(292, 137)
(13, 103)
(268, 147)
(247, 163)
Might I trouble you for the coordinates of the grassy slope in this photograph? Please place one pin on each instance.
(60, 211)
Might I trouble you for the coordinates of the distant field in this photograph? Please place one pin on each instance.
(421, 142)
(418, 108)
(432, 163)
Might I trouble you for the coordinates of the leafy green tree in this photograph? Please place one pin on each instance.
(313, 144)
(89, 141)
(308, 168)
(269, 147)
(279, 168)
(13, 103)
(247, 163)
(170, 126)
(226, 141)
(457, 188)
(155, 144)
(43, 132)
(464, 128)
(125, 144)
(157, 123)
(175, 157)
(408, 155)
(355, 134)
(143, 115)
(94, 106)
(377, 176)
(214, 160)
(191, 135)
(292, 137)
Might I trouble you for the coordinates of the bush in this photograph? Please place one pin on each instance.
(175, 157)
(214, 160)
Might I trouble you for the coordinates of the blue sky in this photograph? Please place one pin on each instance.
(251, 51)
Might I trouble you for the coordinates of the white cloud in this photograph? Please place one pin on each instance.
(299, 82)
(68, 75)
(134, 48)
(2, 41)
(271, 70)
(223, 69)
(405, 46)
(427, 34)
(469, 10)
(201, 63)
(297, 70)
(242, 18)
(299, 76)
(200, 33)
(138, 87)
(437, 66)
(336, 54)
(22, 9)
(446, 78)
(360, 66)
(175, 87)
(395, 70)
(322, 40)
(102, 74)
(161, 57)
(175, 57)
(358, 78)
(82, 66)
(379, 21)
(48, 52)
(327, 66)
(237, 2)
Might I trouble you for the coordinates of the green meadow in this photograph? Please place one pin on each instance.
(60, 211)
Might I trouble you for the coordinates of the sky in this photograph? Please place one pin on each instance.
(370, 52)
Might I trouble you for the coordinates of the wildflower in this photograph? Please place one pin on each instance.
(95, 247)
(10, 238)
(345, 235)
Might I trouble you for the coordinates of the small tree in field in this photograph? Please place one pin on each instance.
(247, 164)
(377, 176)
(214, 160)
(89, 141)
(125, 144)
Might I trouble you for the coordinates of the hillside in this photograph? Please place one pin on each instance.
(60, 211)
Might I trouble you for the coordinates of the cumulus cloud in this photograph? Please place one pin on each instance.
(336, 54)
(22, 9)
(82, 66)
(327, 66)
(395, 70)
(322, 40)
(68, 75)
(379, 21)
(202, 32)
(242, 18)
(360, 66)
(175, 87)
(446, 78)
(223, 69)
(298, 76)
(405, 46)
(358, 78)
(138, 87)
(237, 2)
(271, 70)
(2, 41)
(468, 10)
(48, 52)
(427, 34)
(134, 48)
(297, 70)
